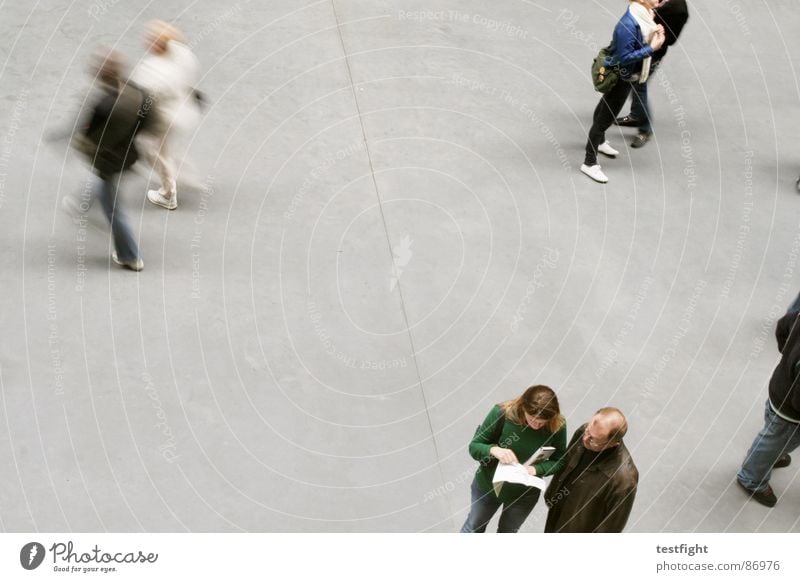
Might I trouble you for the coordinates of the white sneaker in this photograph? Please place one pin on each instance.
(595, 173)
(606, 149)
(159, 199)
(136, 265)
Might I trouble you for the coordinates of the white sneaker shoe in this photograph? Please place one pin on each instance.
(136, 265)
(159, 199)
(606, 149)
(595, 173)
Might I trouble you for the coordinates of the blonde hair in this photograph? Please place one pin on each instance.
(539, 401)
(159, 34)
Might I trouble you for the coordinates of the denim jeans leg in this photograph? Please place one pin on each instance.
(640, 107)
(483, 507)
(776, 438)
(515, 514)
(124, 242)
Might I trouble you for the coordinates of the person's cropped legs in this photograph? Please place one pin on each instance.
(482, 508)
(604, 114)
(156, 149)
(777, 437)
(515, 514)
(124, 243)
(640, 107)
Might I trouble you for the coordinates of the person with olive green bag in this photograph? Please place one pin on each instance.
(604, 76)
(636, 37)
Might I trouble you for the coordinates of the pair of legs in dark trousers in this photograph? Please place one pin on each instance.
(485, 505)
(640, 107)
(604, 115)
(124, 243)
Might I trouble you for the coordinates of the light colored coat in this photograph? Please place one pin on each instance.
(170, 78)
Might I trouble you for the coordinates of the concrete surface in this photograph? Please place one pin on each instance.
(273, 368)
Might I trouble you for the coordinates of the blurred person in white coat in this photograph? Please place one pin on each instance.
(169, 74)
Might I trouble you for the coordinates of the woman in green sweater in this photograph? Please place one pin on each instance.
(511, 433)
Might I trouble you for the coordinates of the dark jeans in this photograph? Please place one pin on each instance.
(604, 115)
(640, 108)
(485, 505)
(124, 243)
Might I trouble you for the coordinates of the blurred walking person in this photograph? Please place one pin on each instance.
(169, 73)
(636, 38)
(107, 139)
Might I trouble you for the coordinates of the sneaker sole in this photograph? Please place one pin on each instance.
(593, 179)
(158, 202)
(135, 268)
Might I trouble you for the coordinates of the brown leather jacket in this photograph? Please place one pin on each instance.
(600, 500)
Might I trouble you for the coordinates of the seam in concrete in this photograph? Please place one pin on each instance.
(388, 241)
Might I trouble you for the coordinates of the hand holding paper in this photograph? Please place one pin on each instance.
(516, 473)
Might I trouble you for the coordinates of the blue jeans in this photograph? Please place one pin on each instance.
(778, 436)
(640, 108)
(124, 243)
(485, 505)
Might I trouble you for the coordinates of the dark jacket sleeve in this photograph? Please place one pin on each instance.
(795, 394)
(784, 328)
(619, 506)
(487, 435)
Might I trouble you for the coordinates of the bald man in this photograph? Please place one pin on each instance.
(595, 490)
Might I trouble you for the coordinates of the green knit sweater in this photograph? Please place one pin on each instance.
(496, 430)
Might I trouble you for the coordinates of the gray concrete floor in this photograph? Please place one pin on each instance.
(270, 371)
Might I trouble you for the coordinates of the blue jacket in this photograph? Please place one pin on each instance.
(628, 48)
